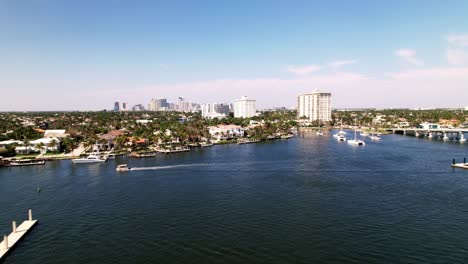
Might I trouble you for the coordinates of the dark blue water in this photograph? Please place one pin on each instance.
(305, 200)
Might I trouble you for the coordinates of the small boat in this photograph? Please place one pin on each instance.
(364, 134)
(319, 133)
(287, 136)
(122, 168)
(247, 141)
(374, 137)
(206, 144)
(91, 158)
(341, 138)
(25, 162)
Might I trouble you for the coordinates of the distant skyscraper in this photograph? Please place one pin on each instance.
(138, 107)
(116, 106)
(315, 106)
(124, 106)
(158, 104)
(244, 107)
(215, 110)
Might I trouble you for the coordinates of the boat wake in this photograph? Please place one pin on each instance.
(168, 167)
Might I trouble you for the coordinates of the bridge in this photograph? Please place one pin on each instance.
(446, 134)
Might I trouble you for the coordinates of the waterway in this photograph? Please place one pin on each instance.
(304, 200)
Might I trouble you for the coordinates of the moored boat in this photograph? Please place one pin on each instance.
(25, 162)
(91, 158)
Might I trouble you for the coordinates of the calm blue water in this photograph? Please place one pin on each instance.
(305, 200)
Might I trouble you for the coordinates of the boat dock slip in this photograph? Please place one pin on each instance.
(10, 241)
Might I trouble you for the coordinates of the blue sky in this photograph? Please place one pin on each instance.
(64, 55)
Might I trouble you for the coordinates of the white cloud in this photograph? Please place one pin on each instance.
(460, 40)
(409, 56)
(457, 50)
(456, 56)
(303, 70)
(340, 63)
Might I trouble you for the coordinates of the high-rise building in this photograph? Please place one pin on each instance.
(244, 107)
(187, 106)
(315, 106)
(215, 110)
(124, 106)
(116, 106)
(158, 104)
(138, 107)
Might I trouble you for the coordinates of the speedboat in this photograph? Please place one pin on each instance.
(91, 158)
(341, 138)
(122, 168)
(374, 137)
(319, 133)
(364, 134)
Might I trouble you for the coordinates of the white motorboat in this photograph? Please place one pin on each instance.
(122, 168)
(364, 134)
(341, 138)
(25, 162)
(319, 133)
(91, 158)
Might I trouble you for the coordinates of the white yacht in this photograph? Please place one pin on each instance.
(91, 158)
(355, 141)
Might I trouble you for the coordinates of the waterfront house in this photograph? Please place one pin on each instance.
(427, 125)
(226, 131)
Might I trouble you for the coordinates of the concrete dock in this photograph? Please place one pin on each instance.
(460, 165)
(10, 241)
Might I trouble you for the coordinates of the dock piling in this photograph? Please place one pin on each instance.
(30, 215)
(14, 226)
(453, 161)
(5, 240)
(464, 160)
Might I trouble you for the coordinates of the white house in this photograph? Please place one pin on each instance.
(47, 143)
(226, 131)
(427, 125)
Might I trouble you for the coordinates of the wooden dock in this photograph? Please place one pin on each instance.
(10, 241)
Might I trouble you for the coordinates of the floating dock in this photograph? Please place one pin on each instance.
(10, 241)
(460, 165)
(463, 165)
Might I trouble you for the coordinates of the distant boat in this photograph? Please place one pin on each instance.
(319, 133)
(91, 158)
(341, 138)
(355, 141)
(287, 136)
(374, 137)
(364, 134)
(122, 168)
(206, 144)
(25, 162)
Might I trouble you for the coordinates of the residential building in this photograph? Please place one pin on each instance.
(314, 106)
(221, 132)
(215, 110)
(427, 125)
(244, 107)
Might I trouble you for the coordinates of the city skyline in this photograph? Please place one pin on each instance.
(86, 55)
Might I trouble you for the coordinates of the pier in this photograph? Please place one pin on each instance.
(445, 134)
(463, 165)
(10, 241)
